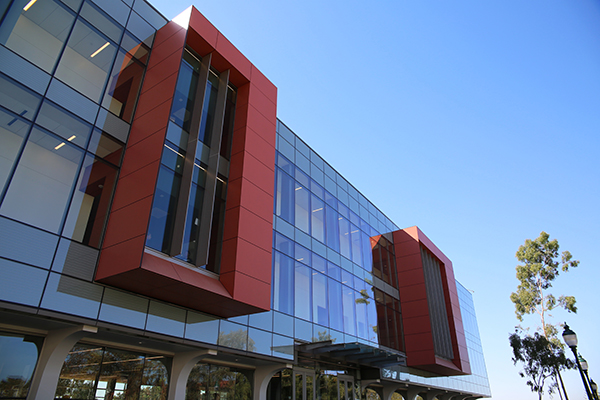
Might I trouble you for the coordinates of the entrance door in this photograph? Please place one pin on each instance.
(345, 387)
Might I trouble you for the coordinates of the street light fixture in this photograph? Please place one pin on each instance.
(584, 367)
(594, 388)
(571, 340)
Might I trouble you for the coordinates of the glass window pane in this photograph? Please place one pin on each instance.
(302, 208)
(185, 94)
(320, 310)
(331, 228)
(12, 133)
(164, 318)
(86, 61)
(79, 372)
(283, 283)
(302, 293)
(124, 85)
(18, 98)
(318, 219)
(102, 22)
(335, 303)
(40, 189)
(135, 48)
(349, 311)
(105, 146)
(284, 200)
(62, 123)
(18, 358)
(355, 244)
(344, 226)
(38, 32)
(162, 216)
(91, 202)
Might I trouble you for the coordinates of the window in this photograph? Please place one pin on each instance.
(37, 31)
(42, 184)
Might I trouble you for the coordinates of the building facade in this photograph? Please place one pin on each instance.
(164, 236)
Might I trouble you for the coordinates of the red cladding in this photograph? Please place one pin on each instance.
(418, 333)
(244, 285)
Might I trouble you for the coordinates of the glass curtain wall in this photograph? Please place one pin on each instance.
(333, 288)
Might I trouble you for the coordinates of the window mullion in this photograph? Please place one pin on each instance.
(212, 172)
(190, 155)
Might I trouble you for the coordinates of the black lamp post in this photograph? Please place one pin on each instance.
(571, 340)
(584, 367)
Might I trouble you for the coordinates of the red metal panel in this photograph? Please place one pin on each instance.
(244, 283)
(415, 310)
(128, 222)
(143, 153)
(136, 186)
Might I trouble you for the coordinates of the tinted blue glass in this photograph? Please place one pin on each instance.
(336, 317)
(164, 318)
(344, 229)
(283, 347)
(192, 223)
(317, 219)
(72, 296)
(302, 255)
(285, 164)
(284, 244)
(317, 189)
(302, 208)
(283, 283)
(302, 293)
(319, 297)
(185, 95)
(347, 278)
(302, 178)
(202, 327)
(208, 112)
(283, 324)
(367, 254)
(21, 283)
(124, 309)
(331, 228)
(333, 271)
(331, 200)
(284, 197)
(355, 244)
(259, 341)
(162, 217)
(349, 311)
(234, 336)
(319, 263)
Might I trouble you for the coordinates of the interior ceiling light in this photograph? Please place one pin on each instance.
(71, 138)
(105, 45)
(28, 6)
(59, 146)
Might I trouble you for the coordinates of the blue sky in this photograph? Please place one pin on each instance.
(478, 121)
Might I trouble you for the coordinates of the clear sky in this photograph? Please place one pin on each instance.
(478, 121)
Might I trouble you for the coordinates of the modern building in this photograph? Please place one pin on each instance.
(164, 236)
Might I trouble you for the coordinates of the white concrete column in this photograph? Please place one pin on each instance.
(431, 394)
(183, 363)
(262, 377)
(389, 388)
(55, 349)
(412, 393)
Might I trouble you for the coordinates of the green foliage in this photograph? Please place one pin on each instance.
(541, 265)
(540, 358)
